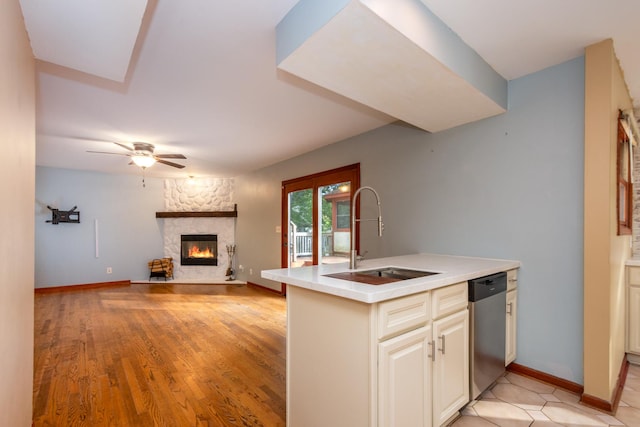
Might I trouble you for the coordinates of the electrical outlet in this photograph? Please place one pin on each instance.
(109, 270)
(251, 272)
(241, 267)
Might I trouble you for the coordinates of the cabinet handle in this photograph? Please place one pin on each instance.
(432, 344)
(442, 337)
(510, 309)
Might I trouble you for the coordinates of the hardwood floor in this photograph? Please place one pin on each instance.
(160, 354)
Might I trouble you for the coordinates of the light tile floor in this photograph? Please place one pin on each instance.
(516, 401)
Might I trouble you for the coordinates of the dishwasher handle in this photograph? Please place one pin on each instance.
(484, 287)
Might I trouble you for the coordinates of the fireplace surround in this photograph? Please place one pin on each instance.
(198, 249)
(198, 206)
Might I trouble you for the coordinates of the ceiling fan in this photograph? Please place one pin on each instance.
(142, 155)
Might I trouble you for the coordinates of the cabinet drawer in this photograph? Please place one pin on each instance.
(449, 299)
(512, 279)
(634, 275)
(402, 314)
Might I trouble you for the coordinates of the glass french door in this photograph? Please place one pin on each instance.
(299, 236)
(316, 217)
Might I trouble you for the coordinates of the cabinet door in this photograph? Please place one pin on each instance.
(633, 328)
(451, 366)
(512, 310)
(404, 376)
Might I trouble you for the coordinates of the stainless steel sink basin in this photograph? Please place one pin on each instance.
(380, 276)
(398, 273)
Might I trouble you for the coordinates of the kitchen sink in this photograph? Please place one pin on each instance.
(380, 276)
(398, 273)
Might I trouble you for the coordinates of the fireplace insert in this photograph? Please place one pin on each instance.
(199, 249)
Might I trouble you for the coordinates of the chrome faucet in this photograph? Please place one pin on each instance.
(354, 255)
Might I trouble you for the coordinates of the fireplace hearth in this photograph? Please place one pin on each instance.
(199, 249)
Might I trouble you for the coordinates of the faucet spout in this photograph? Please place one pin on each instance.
(353, 261)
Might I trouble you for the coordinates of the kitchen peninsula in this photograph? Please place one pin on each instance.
(374, 355)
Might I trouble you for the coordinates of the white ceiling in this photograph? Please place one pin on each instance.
(202, 78)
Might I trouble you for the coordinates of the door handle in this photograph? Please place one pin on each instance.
(432, 345)
(442, 338)
(510, 309)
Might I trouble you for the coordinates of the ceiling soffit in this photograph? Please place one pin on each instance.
(393, 56)
(95, 37)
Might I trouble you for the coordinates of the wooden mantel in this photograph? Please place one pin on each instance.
(200, 214)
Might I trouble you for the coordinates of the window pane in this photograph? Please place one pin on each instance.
(343, 215)
(335, 241)
(300, 228)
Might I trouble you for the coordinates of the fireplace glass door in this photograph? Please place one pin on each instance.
(199, 249)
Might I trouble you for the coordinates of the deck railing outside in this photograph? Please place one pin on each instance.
(303, 243)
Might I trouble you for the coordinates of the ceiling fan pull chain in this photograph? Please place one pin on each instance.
(143, 183)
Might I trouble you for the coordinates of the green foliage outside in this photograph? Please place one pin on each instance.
(301, 208)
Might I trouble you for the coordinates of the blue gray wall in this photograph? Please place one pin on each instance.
(129, 235)
(510, 186)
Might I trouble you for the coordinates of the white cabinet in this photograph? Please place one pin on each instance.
(512, 280)
(512, 310)
(633, 310)
(405, 379)
(418, 387)
(450, 299)
(351, 363)
(429, 364)
(403, 314)
(633, 335)
(450, 366)
(512, 316)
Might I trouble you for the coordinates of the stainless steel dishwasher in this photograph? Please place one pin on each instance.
(487, 311)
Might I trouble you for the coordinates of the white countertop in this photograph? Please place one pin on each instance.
(451, 269)
(633, 262)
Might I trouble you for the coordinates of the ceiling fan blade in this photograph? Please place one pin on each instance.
(123, 146)
(83, 138)
(106, 152)
(170, 156)
(175, 165)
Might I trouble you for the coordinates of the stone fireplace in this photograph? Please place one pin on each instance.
(189, 201)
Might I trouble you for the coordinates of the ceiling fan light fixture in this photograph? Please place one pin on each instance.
(143, 161)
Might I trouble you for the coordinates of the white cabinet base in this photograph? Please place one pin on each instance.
(350, 363)
(329, 358)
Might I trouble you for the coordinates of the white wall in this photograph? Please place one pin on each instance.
(17, 142)
(129, 235)
(508, 186)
